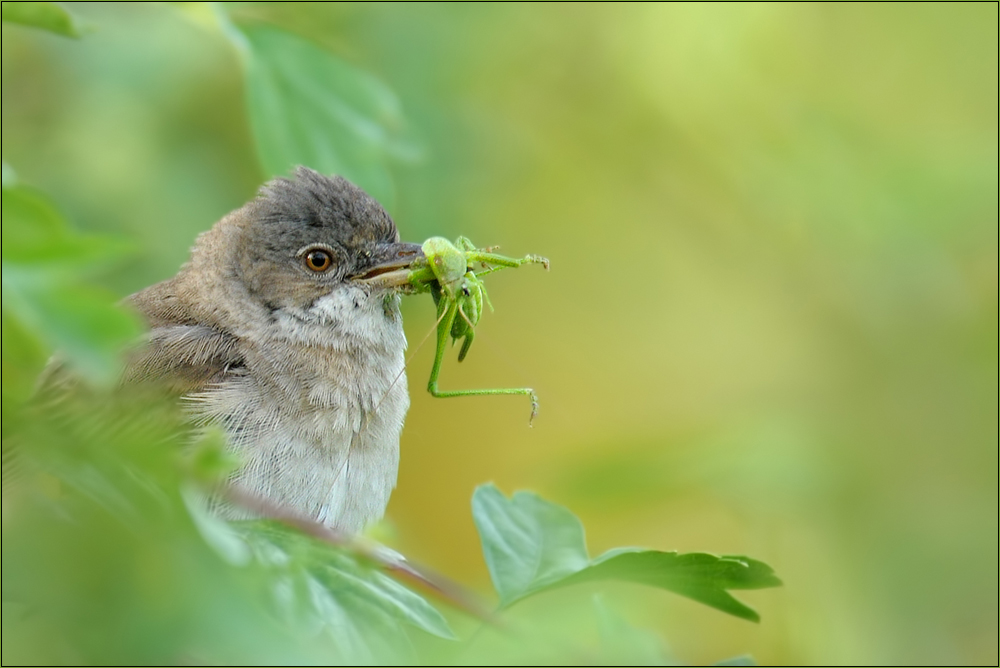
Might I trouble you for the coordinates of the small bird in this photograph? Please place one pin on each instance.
(284, 328)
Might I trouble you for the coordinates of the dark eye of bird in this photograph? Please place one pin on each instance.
(318, 260)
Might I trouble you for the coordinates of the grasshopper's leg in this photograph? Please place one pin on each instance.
(482, 288)
(488, 270)
(486, 297)
(464, 244)
(503, 260)
(443, 332)
(466, 344)
(470, 334)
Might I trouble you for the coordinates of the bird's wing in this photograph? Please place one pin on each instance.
(183, 358)
(183, 350)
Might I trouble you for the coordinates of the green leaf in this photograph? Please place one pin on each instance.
(347, 587)
(209, 460)
(309, 107)
(696, 575)
(35, 233)
(81, 322)
(9, 176)
(219, 535)
(105, 556)
(528, 542)
(44, 15)
(29, 220)
(625, 645)
(43, 264)
(532, 545)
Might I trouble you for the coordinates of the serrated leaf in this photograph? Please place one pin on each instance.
(309, 107)
(44, 15)
(696, 575)
(532, 545)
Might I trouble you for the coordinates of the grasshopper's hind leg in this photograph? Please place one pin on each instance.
(443, 332)
(504, 261)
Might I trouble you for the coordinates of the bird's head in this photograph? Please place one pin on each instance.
(310, 250)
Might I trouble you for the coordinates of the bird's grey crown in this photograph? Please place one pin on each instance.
(311, 200)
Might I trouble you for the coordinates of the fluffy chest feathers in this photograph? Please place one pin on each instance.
(315, 410)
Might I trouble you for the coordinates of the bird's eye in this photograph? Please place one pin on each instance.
(318, 260)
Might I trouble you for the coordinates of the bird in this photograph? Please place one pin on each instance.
(284, 329)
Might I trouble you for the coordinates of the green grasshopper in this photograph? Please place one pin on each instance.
(447, 270)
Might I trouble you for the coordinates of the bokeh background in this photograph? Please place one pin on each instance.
(770, 327)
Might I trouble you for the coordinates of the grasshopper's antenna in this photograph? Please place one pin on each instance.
(399, 375)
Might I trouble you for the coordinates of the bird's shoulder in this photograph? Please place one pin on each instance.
(185, 349)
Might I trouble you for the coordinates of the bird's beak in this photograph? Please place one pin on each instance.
(389, 265)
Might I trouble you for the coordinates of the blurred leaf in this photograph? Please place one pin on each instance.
(34, 232)
(340, 587)
(108, 503)
(29, 219)
(532, 545)
(23, 358)
(624, 644)
(80, 322)
(226, 542)
(43, 263)
(9, 176)
(309, 107)
(44, 15)
(209, 460)
(744, 660)
(100, 549)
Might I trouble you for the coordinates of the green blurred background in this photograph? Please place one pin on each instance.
(770, 327)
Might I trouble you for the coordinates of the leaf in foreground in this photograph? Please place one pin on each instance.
(339, 581)
(532, 545)
(624, 644)
(44, 15)
(45, 264)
